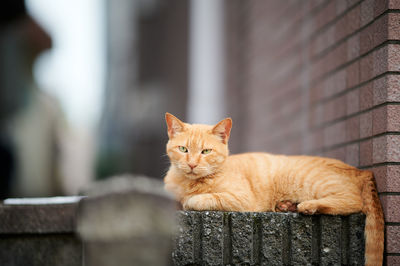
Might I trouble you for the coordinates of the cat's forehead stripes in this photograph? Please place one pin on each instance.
(197, 136)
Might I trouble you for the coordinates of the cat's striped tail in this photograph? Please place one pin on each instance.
(374, 223)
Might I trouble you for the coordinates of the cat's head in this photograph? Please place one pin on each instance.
(197, 150)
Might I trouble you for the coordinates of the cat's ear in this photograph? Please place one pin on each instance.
(223, 129)
(174, 125)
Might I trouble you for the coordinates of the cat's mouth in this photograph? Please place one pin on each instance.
(191, 174)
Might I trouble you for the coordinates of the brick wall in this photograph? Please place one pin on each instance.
(320, 77)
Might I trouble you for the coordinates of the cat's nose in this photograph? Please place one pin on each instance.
(192, 165)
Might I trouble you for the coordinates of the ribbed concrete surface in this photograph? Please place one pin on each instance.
(233, 238)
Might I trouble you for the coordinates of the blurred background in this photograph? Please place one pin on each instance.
(85, 84)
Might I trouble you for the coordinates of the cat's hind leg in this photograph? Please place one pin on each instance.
(333, 204)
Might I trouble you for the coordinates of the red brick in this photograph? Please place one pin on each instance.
(314, 3)
(316, 117)
(367, 39)
(393, 238)
(380, 90)
(386, 149)
(391, 207)
(353, 154)
(338, 56)
(353, 19)
(353, 128)
(392, 260)
(353, 74)
(338, 153)
(387, 89)
(341, 7)
(366, 68)
(393, 88)
(393, 115)
(340, 81)
(367, 12)
(335, 134)
(393, 57)
(334, 109)
(366, 96)
(379, 149)
(379, 120)
(380, 27)
(316, 140)
(341, 28)
(316, 93)
(326, 15)
(380, 61)
(366, 152)
(318, 68)
(335, 84)
(387, 178)
(353, 47)
(352, 99)
(394, 26)
(366, 124)
(386, 118)
(380, 7)
(393, 148)
(351, 3)
(394, 4)
(324, 40)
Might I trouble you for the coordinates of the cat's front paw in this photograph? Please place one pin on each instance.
(204, 202)
(307, 207)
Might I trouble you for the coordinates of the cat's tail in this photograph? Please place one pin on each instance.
(374, 223)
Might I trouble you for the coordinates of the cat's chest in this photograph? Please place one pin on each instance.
(201, 186)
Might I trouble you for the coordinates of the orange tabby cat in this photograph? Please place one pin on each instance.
(203, 176)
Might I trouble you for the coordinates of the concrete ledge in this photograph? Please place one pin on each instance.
(40, 219)
(224, 238)
(39, 234)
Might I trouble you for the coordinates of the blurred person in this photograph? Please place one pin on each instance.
(30, 120)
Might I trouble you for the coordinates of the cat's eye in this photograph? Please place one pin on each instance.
(183, 149)
(206, 151)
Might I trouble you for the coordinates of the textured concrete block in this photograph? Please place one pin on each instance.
(274, 238)
(356, 239)
(187, 243)
(242, 237)
(330, 246)
(234, 238)
(301, 227)
(212, 237)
